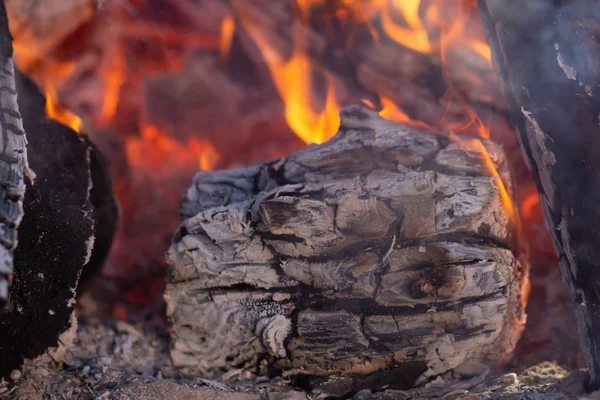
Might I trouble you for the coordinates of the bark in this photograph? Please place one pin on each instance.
(13, 159)
(385, 255)
(547, 53)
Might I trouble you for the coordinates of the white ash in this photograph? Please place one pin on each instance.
(118, 360)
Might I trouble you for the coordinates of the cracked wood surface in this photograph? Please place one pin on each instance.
(547, 55)
(385, 255)
(13, 159)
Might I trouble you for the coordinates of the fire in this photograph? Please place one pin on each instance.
(59, 113)
(391, 111)
(413, 35)
(293, 79)
(530, 204)
(114, 77)
(156, 150)
(439, 29)
(506, 199)
(209, 157)
(294, 84)
(227, 31)
(311, 92)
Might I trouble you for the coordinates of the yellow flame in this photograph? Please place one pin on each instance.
(294, 85)
(483, 49)
(293, 80)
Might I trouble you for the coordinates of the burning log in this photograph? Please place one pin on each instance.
(385, 255)
(68, 217)
(547, 54)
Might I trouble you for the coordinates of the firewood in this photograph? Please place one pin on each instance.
(386, 255)
(69, 220)
(66, 211)
(13, 153)
(546, 53)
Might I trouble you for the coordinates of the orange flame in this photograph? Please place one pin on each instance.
(478, 146)
(294, 83)
(436, 28)
(114, 78)
(391, 111)
(59, 113)
(457, 36)
(428, 27)
(209, 157)
(413, 35)
(227, 31)
(529, 204)
(156, 150)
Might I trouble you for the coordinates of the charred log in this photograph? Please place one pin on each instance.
(68, 223)
(67, 208)
(13, 159)
(47, 136)
(106, 215)
(385, 252)
(547, 54)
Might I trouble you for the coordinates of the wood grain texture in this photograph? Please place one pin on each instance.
(384, 254)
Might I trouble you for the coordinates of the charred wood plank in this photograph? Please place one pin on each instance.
(385, 252)
(547, 54)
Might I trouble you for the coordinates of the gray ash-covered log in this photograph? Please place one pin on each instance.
(547, 53)
(386, 256)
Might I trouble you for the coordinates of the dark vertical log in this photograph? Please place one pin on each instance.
(13, 159)
(548, 54)
(56, 236)
(65, 210)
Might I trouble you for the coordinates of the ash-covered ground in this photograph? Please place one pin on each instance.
(111, 359)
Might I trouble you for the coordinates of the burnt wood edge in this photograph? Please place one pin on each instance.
(580, 273)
